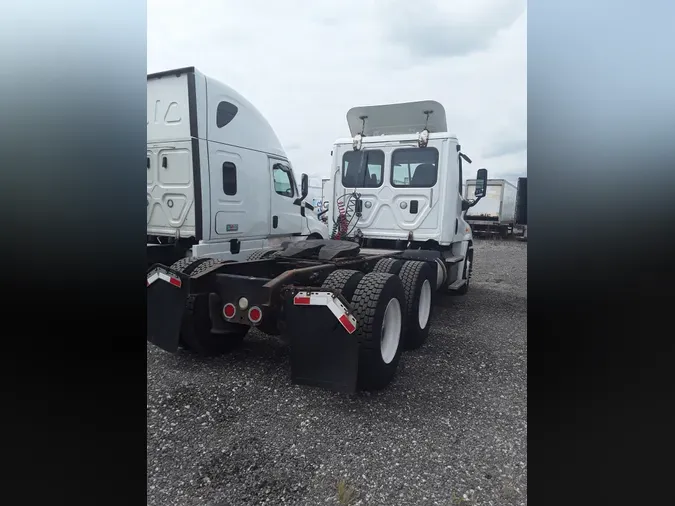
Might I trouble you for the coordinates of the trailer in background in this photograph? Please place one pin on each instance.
(495, 214)
(521, 206)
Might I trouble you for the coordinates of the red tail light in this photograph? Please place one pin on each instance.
(229, 311)
(255, 314)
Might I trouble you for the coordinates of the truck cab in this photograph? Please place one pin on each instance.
(219, 183)
(397, 183)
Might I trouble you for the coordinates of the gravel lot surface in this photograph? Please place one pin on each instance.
(450, 430)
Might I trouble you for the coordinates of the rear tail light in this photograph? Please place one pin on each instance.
(229, 311)
(255, 314)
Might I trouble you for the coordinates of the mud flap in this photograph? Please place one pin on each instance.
(167, 293)
(323, 347)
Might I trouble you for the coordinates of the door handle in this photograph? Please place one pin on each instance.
(413, 207)
(275, 221)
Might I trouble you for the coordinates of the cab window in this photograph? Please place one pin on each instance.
(283, 183)
(363, 169)
(414, 167)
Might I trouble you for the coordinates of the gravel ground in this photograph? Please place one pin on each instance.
(450, 430)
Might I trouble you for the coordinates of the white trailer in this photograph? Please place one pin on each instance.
(496, 213)
(219, 183)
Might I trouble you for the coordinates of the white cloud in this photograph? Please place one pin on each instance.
(304, 64)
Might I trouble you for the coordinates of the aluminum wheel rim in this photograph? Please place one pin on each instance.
(424, 307)
(391, 331)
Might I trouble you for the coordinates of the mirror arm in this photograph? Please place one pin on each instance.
(468, 204)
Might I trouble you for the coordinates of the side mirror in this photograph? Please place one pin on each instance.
(481, 183)
(304, 190)
(304, 186)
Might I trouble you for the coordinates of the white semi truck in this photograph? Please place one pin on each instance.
(347, 311)
(219, 183)
(397, 185)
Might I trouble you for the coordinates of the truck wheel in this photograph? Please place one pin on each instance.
(466, 274)
(418, 282)
(183, 263)
(378, 304)
(344, 281)
(261, 253)
(195, 333)
(388, 266)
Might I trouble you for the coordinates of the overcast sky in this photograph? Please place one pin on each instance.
(303, 64)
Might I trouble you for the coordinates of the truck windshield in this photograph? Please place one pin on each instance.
(370, 176)
(414, 167)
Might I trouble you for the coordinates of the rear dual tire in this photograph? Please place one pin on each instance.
(389, 266)
(344, 282)
(378, 303)
(418, 279)
(392, 313)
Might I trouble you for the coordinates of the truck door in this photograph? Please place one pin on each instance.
(238, 205)
(286, 218)
(415, 177)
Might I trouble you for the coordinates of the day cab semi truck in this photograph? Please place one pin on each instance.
(347, 314)
(397, 185)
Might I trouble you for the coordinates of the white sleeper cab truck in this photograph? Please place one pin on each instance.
(397, 185)
(219, 183)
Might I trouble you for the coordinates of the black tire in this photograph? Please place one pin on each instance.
(207, 264)
(260, 254)
(369, 303)
(418, 279)
(466, 274)
(195, 332)
(344, 281)
(388, 266)
(184, 263)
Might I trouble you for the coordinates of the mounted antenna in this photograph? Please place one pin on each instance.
(358, 138)
(428, 113)
(363, 123)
